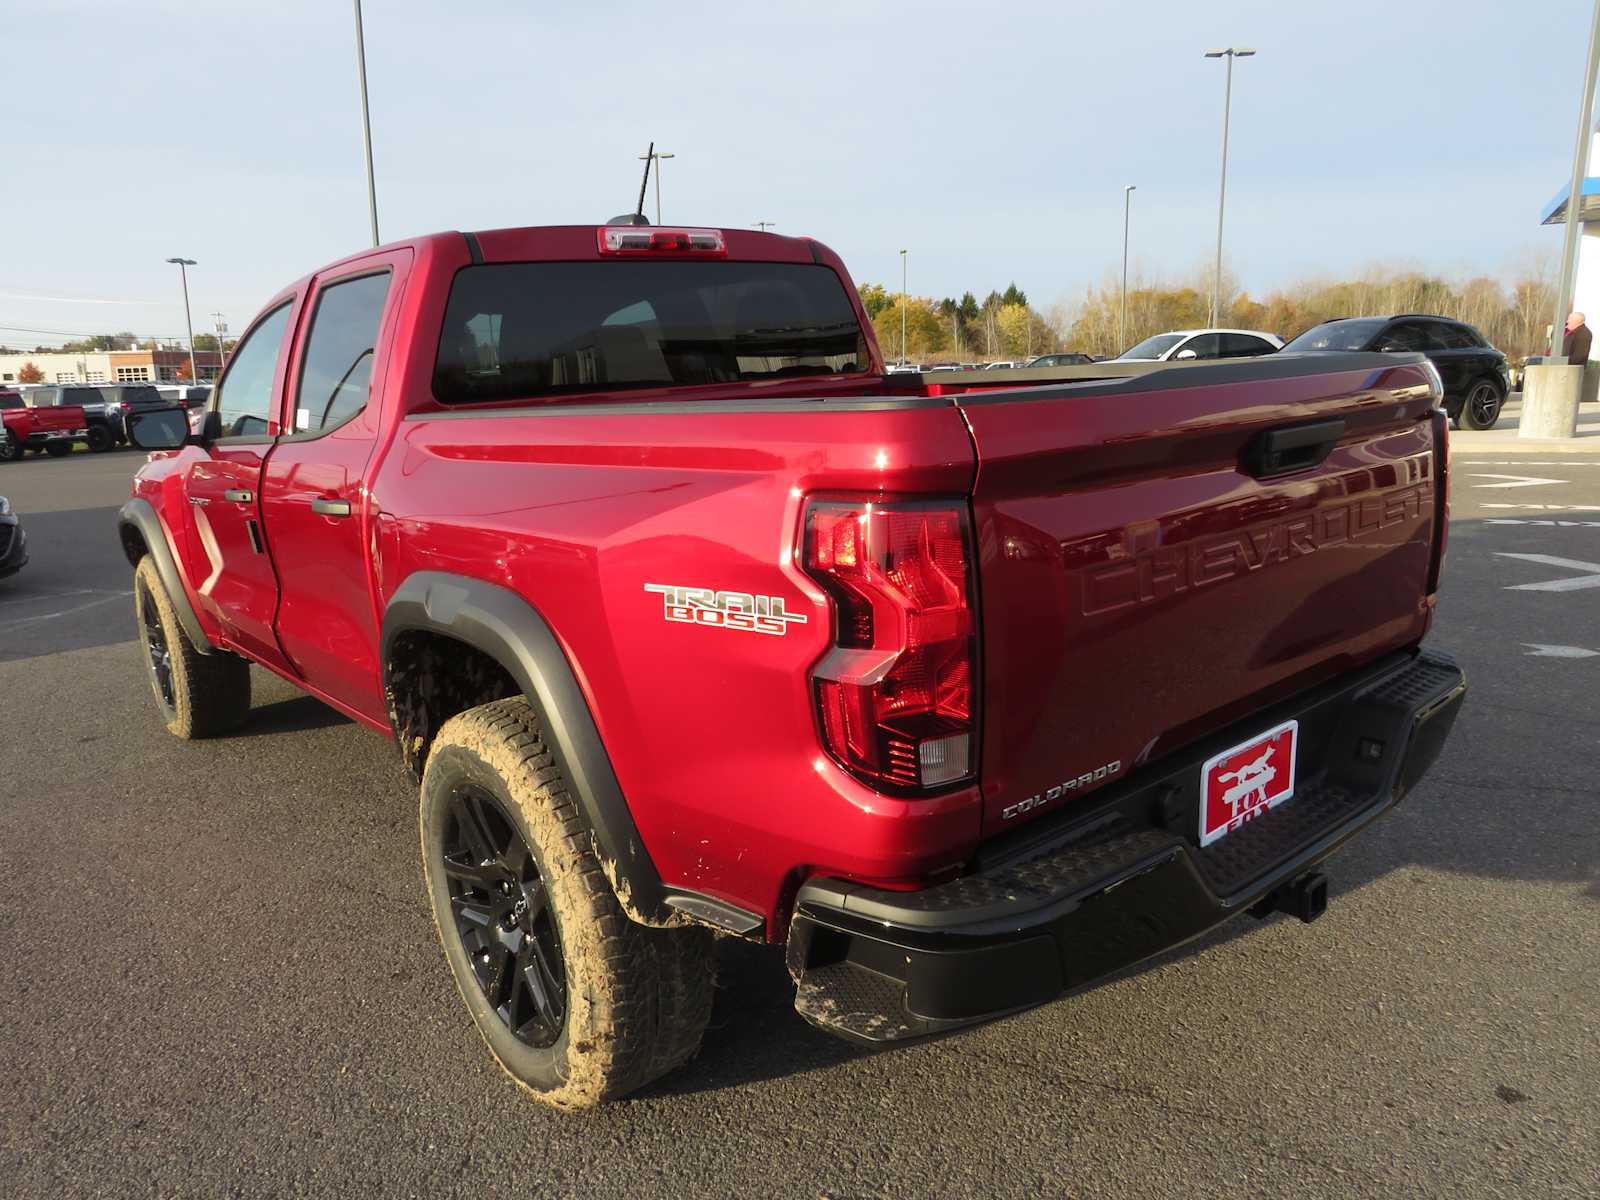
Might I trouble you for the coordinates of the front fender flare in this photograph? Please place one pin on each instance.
(509, 630)
(139, 515)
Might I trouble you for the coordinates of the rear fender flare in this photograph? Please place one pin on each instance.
(139, 516)
(504, 626)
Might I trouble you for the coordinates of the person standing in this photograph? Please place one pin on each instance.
(1575, 345)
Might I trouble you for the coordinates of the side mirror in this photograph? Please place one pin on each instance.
(160, 429)
(1185, 354)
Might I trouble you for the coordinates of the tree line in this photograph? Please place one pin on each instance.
(1513, 314)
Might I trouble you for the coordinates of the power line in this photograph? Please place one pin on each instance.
(164, 337)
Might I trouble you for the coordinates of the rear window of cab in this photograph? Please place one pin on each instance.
(526, 330)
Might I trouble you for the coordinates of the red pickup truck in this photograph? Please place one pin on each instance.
(967, 689)
(51, 429)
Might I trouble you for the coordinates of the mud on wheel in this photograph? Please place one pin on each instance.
(199, 695)
(578, 1003)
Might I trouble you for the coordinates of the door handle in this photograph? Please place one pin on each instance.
(238, 495)
(201, 501)
(330, 508)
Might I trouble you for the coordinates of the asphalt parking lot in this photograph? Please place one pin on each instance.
(218, 974)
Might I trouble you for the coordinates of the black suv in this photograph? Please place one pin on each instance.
(1476, 378)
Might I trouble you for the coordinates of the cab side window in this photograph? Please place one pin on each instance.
(1406, 335)
(245, 398)
(337, 373)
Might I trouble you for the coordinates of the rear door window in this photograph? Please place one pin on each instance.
(1243, 345)
(517, 330)
(336, 374)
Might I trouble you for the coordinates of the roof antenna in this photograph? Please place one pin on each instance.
(637, 217)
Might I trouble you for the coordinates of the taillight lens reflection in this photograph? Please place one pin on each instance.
(895, 693)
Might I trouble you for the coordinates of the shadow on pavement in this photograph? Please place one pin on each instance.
(296, 715)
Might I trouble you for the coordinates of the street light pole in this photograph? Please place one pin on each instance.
(366, 124)
(1122, 329)
(1230, 54)
(183, 270)
(1580, 167)
(658, 156)
(903, 356)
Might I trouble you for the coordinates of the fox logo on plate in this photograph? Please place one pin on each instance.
(1246, 781)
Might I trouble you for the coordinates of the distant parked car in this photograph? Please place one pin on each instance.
(1182, 345)
(13, 542)
(99, 425)
(999, 366)
(1059, 360)
(190, 395)
(1476, 376)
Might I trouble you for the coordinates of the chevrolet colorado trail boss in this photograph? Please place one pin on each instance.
(687, 616)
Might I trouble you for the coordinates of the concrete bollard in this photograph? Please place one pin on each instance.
(1550, 395)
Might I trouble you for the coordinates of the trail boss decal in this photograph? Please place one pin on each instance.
(725, 610)
(1050, 795)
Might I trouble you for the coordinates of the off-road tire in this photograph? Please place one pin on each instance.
(637, 999)
(101, 438)
(210, 693)
(11, 451)
(59, 448)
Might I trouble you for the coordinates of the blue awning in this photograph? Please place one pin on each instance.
(1588, 204)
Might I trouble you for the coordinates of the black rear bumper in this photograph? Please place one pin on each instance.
(1050, 910)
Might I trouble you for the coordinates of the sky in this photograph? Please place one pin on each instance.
(990, 141)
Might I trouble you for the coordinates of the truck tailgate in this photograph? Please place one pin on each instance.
(1147, 576)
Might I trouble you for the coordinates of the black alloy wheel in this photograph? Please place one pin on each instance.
(501, 912)
(157, 651)
(1482, 406)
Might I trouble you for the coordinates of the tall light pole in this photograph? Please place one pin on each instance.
(658, 156)
(903, 356)
(366, 124)
(1230, 54)
(183, 270)
(1122, 329)
(1580, 168)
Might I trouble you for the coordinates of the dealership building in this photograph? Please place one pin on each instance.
(105, 366)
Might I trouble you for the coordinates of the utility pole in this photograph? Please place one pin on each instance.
(762, 225)
(903, 304)
(1230, 54)
(658, 156)
(183, 270)
(366, 124)
(1122, 329)
(1580, 168)
(222, 333)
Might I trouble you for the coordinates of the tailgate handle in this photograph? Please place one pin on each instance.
(1280, 451)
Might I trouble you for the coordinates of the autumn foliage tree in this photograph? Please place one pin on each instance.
(29, 373)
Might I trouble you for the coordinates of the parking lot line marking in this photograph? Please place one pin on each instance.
(1539, 650)
(1572, 584)
(65, 612)
(1512, 480)
(1545, 521)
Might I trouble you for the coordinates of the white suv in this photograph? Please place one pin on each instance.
(1188, 344)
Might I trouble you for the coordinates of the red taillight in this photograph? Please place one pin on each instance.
(896, 692)
(643, 239)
